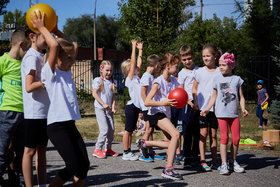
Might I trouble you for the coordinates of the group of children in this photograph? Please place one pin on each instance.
(214, 93)
(31, 91)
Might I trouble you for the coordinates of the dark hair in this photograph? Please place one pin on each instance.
(186, 50)
(152, 60)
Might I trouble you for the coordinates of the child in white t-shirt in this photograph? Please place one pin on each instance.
(63, 110)
(202, 91)
(160, 110)
(35, 105)
(131, 71)
(226, 88)
(103, 91)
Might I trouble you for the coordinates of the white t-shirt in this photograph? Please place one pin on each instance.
(146, 80)
(62, 93)
(186, 77)
(35, 103)
(134, 90)
(227, 101)
(205, 80)
(162, 93)
(106, 95)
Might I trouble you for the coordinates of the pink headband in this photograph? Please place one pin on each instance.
(228, 59)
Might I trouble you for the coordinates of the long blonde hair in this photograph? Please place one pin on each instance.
(101, 86)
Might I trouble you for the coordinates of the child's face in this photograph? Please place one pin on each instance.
(187, 60)
(224, 68)
(259, 86)
(38, 42)
(208, 57)
(173, 69)
(107, 71)
(140, 115)
(65, 61)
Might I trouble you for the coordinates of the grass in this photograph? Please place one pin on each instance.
(88, 126)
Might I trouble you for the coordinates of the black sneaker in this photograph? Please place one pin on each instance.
(143, 149)
(171, 173)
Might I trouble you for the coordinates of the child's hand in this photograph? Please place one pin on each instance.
(38, 21)
(139, 45)
(245, 113)
(114, 111)
(134, 42)
(106, 106)
(204, 112)
(170, 102)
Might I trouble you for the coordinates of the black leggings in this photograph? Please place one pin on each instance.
(71, 147)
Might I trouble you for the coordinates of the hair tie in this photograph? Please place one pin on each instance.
(101, 66)
(228, 59)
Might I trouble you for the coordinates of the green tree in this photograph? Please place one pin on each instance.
(274, 108)
(17, 17)
(156, 23)
(81, 30)
(3, 4)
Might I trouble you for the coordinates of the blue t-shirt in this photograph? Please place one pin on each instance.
(262, 95)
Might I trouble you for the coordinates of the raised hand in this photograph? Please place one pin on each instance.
(38, 20)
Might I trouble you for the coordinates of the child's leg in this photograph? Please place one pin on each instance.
(127, 140)
(41, 164)
(131, 117)
(168, 128)
(202, 143)
(223, 124)
(213, 144)
(103, 127)
(27, 161)
(235, 133)
(259, 114)
(111, 130)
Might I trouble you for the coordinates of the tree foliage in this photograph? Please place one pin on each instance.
(141, 22)
(3, 4)
(81, 30)
(17, 17)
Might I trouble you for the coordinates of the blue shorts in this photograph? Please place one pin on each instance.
(131, 117)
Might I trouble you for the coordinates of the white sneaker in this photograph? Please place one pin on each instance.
(236, 167)
(224, 169)
(129, 156)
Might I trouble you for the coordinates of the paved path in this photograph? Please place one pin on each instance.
(261, 170)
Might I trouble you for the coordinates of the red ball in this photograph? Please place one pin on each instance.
(181, 97)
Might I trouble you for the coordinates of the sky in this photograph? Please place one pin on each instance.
(75, 8)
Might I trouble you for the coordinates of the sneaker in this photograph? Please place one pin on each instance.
(98, 154)
(141, 144)
(187, 163)
(216, 166)
(224, 169)
(129, 156)
(158, 157)
(142, 158)
(110, 152)
(234, 166)
(177, 160)
(171, 173)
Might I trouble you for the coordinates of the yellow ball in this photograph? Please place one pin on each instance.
(50, 16)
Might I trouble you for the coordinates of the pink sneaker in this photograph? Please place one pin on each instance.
(110, 152)
(98, 153)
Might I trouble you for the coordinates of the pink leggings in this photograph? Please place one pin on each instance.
(234, 124)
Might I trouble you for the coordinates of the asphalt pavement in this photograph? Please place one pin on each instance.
(262, 169)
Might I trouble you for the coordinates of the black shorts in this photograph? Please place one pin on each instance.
(35, 132)
(209, 121)
(131, 117)
(153, 120)
(145, 115)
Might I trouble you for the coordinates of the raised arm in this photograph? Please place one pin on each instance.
(132, 60)
(139, 46)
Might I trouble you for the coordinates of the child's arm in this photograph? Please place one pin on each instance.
(139, 46)
(96, 96)
(150, 102)
(143, 92)
(194, 93)
(38, 23)
(114, 104)
(132, 60)
(210, 104)
(242, 102)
